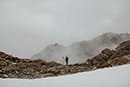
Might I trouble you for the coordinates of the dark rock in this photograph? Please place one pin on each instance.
(107, 52)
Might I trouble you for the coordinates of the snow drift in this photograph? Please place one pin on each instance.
(109, 77)
(78, 52)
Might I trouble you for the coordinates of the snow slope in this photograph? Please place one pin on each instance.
(109, 77)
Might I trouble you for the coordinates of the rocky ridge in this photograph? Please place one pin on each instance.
(14, 67)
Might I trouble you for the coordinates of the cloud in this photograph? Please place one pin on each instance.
(33, 24)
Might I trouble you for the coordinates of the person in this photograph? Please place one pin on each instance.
(66, 60)
(63, 60)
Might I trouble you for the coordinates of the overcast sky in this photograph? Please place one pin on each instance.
(27, 26)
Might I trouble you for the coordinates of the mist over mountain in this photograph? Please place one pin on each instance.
(81, 51)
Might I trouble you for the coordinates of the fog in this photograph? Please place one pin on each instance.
(27, 26)
(79, 52)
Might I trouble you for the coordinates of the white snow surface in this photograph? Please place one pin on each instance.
(108, 77)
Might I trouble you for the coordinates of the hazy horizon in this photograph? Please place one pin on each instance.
(27, 26)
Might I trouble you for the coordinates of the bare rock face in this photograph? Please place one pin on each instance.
(108, 52)
(122, 50)
(108, 58)
(124, 46)
(120, 60)
(13, 67)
